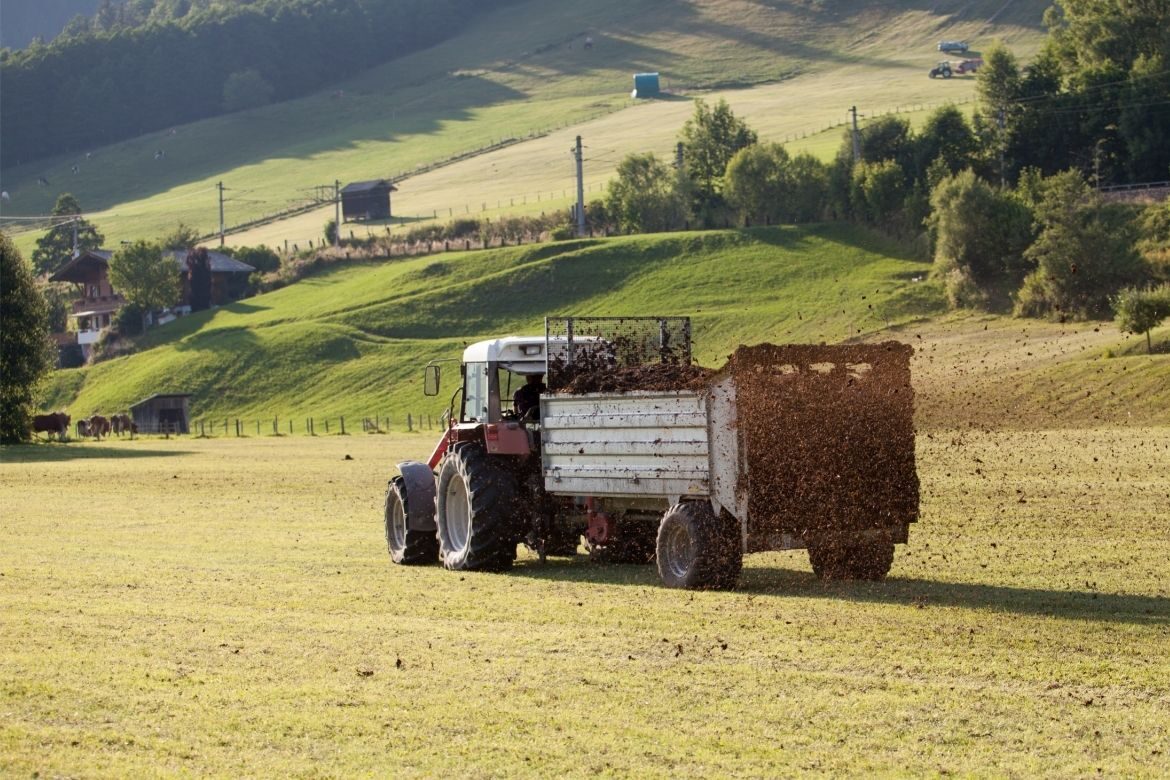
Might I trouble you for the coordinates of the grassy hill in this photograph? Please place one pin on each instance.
(352, 341)
(791, 69)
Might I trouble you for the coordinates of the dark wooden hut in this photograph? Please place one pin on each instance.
(364, 200)
(162, 413)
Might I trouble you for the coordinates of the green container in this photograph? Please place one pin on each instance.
(645, 85)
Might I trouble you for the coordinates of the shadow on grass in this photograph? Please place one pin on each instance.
(912, 592)
(54, 453)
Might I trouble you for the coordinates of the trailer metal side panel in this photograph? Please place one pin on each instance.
(625, 444)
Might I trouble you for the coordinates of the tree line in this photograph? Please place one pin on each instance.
(144, 65)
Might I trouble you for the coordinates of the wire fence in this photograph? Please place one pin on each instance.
(323, 425)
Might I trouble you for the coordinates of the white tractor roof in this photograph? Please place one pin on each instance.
(521, 354)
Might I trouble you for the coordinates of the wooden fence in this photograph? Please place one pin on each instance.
(239, 427)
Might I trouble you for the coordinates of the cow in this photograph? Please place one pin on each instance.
(56, 423)
(120, 423)
(82, 428)
(99, 426)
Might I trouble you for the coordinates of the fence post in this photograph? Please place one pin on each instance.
(326, 425)
(290, 426)
(409, 422)
(343, 425)
(275, 426)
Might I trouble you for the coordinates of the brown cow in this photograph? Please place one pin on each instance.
(120, 423)
(82, 428)
(56, 423)
(99, 426)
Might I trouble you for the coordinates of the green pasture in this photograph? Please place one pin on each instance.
(225, 608)
(352, 341)
(793, 72)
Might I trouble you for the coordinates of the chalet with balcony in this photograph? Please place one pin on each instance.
(99, 302)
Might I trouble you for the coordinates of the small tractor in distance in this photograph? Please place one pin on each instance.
(784, 448)
(942, 70)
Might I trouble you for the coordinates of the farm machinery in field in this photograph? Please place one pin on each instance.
(651, 459)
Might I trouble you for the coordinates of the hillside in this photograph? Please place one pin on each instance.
(792, 69)
(352, 341)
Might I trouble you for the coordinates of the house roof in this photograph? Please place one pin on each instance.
(157, 396)
(358, 187)
(75, 269)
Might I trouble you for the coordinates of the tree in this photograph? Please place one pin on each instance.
(26, 354)
(757, 181)
(199, 277)
(946, 137)
(710, 138)
(980, 237)
(261, 258)
(878, 191)
(246, 89)
(181, 238)
(646, 197)
(1084, 253)
(145, 275)
(55, 248)
(1140, 311)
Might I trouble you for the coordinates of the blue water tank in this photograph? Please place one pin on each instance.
(645, 85)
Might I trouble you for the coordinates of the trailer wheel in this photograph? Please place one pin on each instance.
(698, 550)
(475, 506)
(407, 547)
(856, 559)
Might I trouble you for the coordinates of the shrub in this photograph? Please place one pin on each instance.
(1140, 311)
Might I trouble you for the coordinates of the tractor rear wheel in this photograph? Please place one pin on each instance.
(475, 511)
(854, 559)
(406, 546)
(698, 550)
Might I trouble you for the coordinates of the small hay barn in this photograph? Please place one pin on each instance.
(163, 413)
(364, 200)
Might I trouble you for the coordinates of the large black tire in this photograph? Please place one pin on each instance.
(407, 547)
(854, 559)
(475, 514)
(698, 550)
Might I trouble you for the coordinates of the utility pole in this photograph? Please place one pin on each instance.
(580, 190)
(222, 228)
(76, 250)
(856, 137)
(336, 213)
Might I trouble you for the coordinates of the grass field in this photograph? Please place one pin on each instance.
(790, 69)
(226, 608)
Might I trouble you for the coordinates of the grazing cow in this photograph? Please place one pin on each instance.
(99, 426)
(82, 428)
(56, 423)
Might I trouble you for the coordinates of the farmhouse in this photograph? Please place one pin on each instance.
(363, 200)
(162, 413)
(99, 301)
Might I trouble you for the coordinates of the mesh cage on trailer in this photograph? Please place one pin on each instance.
(592, 344)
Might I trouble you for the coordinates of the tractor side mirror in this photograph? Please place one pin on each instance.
(431, 380)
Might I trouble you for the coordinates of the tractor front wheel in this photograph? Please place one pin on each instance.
(406, 546)
(698, 550)
(476, 498)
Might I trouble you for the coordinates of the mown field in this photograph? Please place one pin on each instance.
(225, 607)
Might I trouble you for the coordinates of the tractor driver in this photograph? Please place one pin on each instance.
(528, 396)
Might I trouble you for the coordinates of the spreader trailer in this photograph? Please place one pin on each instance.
(786, 447)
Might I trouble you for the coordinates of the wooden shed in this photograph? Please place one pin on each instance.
(163, 413)
(366, 200)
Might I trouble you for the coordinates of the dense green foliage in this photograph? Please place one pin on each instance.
(980, 236)
(764, 184)
(56, 247)
(119, 79)
(26, 354)
(1084, 252)
(1142, 310)
(647, 197)
(145, 275)
(710, 138)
